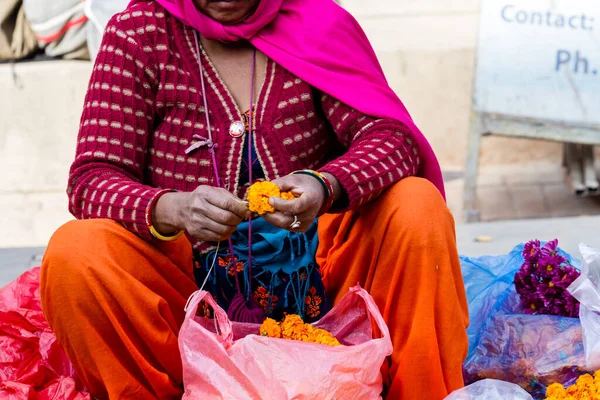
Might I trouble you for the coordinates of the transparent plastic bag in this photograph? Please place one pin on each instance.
(490, 389)
(532, 351)
(586, 289)
(237, 363)
(507, 344)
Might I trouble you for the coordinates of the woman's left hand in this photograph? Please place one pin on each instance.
(310, 196)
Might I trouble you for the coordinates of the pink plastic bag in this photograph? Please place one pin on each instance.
(33, 366)
(237, 363)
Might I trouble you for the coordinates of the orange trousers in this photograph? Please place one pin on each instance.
(116, 301)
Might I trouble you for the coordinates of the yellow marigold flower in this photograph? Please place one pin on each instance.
(321, 336)
(556, 391)
(287, 196)
(293, 328)
(586, 387)
(270, 328)
(260, 193)
(585, 379)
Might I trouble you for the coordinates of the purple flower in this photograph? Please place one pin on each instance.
(550, 248)
(571, 306)
(551, 262)
(531, 251)
(543, 279)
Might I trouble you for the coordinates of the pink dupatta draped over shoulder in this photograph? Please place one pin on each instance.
(322, 44)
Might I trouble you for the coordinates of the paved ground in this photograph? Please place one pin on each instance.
(506, 234)
(13, 262)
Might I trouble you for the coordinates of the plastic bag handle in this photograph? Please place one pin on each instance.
(375, 313)
(222, 322)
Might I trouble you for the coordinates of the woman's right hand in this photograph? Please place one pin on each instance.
(208, 213)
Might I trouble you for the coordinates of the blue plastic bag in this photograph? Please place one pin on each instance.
(507, 344)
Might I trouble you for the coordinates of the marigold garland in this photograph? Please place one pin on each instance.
(260, 193)
(292, 327)
(586, 387)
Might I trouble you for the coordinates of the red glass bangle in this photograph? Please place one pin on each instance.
(327, 187)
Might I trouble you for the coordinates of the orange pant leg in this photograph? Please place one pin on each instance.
(402, 249)
(115, 303)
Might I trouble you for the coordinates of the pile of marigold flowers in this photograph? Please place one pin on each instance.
(260, 193)
(292, 327)
(586, 387)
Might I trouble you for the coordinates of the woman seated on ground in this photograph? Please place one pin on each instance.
(168, 91)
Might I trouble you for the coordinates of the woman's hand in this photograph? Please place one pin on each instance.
(208, 213)
(310, 196)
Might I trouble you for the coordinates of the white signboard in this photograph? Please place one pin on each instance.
(540, 59)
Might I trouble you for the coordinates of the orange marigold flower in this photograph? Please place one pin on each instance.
(556, 390)
(585, 379)
(287, 196)
(292, 327)
(321, 336)
(259, 194)
(270, 328)
(586, 387)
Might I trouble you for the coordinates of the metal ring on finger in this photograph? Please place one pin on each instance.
(296, 224)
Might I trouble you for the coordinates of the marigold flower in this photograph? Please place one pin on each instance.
(260, 193)
(287, 196)
(270, 328)
(586, 387)
(556, 390)
(292, 327)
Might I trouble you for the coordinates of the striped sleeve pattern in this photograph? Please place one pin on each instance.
(379, 152)
(105, 178)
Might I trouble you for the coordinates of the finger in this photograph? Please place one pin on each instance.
(297, 206)
(221, 216)
(209, 236)
(287, 183)
(226, 201)
(279, 219)
(204, 223)
(224, 230)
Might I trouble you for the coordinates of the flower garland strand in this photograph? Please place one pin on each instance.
(543, 279)
(293, 328)
(586, 388)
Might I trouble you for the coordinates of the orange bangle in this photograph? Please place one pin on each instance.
(155, 234)
(164, 238)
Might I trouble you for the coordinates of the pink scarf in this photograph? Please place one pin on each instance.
(322, 44)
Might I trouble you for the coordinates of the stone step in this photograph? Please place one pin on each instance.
(40, 108)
